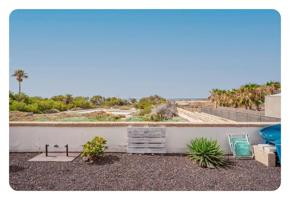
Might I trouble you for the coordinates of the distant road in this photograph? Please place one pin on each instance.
(201, 117)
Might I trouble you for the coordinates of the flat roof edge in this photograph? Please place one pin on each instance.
(140, 124)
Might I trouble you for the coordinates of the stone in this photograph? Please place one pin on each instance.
(29, 114)
(52, 111)
(167, 111)
(264, 157)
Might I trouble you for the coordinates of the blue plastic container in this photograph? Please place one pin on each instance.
(278, 149)
(272, 135)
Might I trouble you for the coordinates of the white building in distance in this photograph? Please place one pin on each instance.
(273, 105)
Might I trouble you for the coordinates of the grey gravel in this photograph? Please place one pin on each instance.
(117, 171)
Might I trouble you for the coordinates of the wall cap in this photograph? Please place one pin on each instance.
(125, 124)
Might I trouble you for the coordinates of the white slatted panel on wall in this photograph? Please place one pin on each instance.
(146, 140)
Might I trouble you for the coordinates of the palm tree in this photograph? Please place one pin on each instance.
(215, 97)
(233, 98)
(259, 97)
(246, 95)
(224, 97)
(20, 75)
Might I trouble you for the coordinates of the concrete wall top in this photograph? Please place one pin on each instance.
(125, 124)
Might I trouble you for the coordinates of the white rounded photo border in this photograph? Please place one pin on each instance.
(7, 6)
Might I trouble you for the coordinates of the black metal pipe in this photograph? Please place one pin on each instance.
(66, 150)
(46, 150)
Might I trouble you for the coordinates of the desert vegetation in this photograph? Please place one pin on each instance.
(250, 96)
(62, 107)
(25, 103)
(155, 108)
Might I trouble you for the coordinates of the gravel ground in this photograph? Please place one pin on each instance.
(117, 171)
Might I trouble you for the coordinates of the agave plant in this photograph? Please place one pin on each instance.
(206, 153)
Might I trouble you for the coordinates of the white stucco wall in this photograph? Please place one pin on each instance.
(33, 138)
(178, 138)
(273, 106)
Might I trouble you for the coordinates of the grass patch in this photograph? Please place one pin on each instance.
(143, 119)
(77, 119)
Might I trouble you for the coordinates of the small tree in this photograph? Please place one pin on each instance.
(20, 76)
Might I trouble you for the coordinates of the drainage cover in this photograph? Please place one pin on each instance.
(55, 157)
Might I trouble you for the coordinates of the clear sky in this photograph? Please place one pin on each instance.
(135, 53)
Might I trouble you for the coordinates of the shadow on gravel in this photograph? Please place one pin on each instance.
(15, 168)
(106, 160)
(229, 163)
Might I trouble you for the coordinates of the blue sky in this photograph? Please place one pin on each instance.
(135, 53)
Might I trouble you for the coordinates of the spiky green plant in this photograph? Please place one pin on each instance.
(206, 153)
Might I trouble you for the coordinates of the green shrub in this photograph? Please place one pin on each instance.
(66, 99)
(146, 104)
(157, 117)
(114, 101)
(154, 117)
(97, 100)
(133, 101)
(146, 110)
(82, 102)
(94, 148)
(135, 119)
(12, 95)
(206, 153)
(61, 106)
(32, 108)
(22, 97)
(149, 101)
(17, 106)
(44, 105)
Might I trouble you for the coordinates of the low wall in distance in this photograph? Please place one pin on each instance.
(32, 136)
(239, 116)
